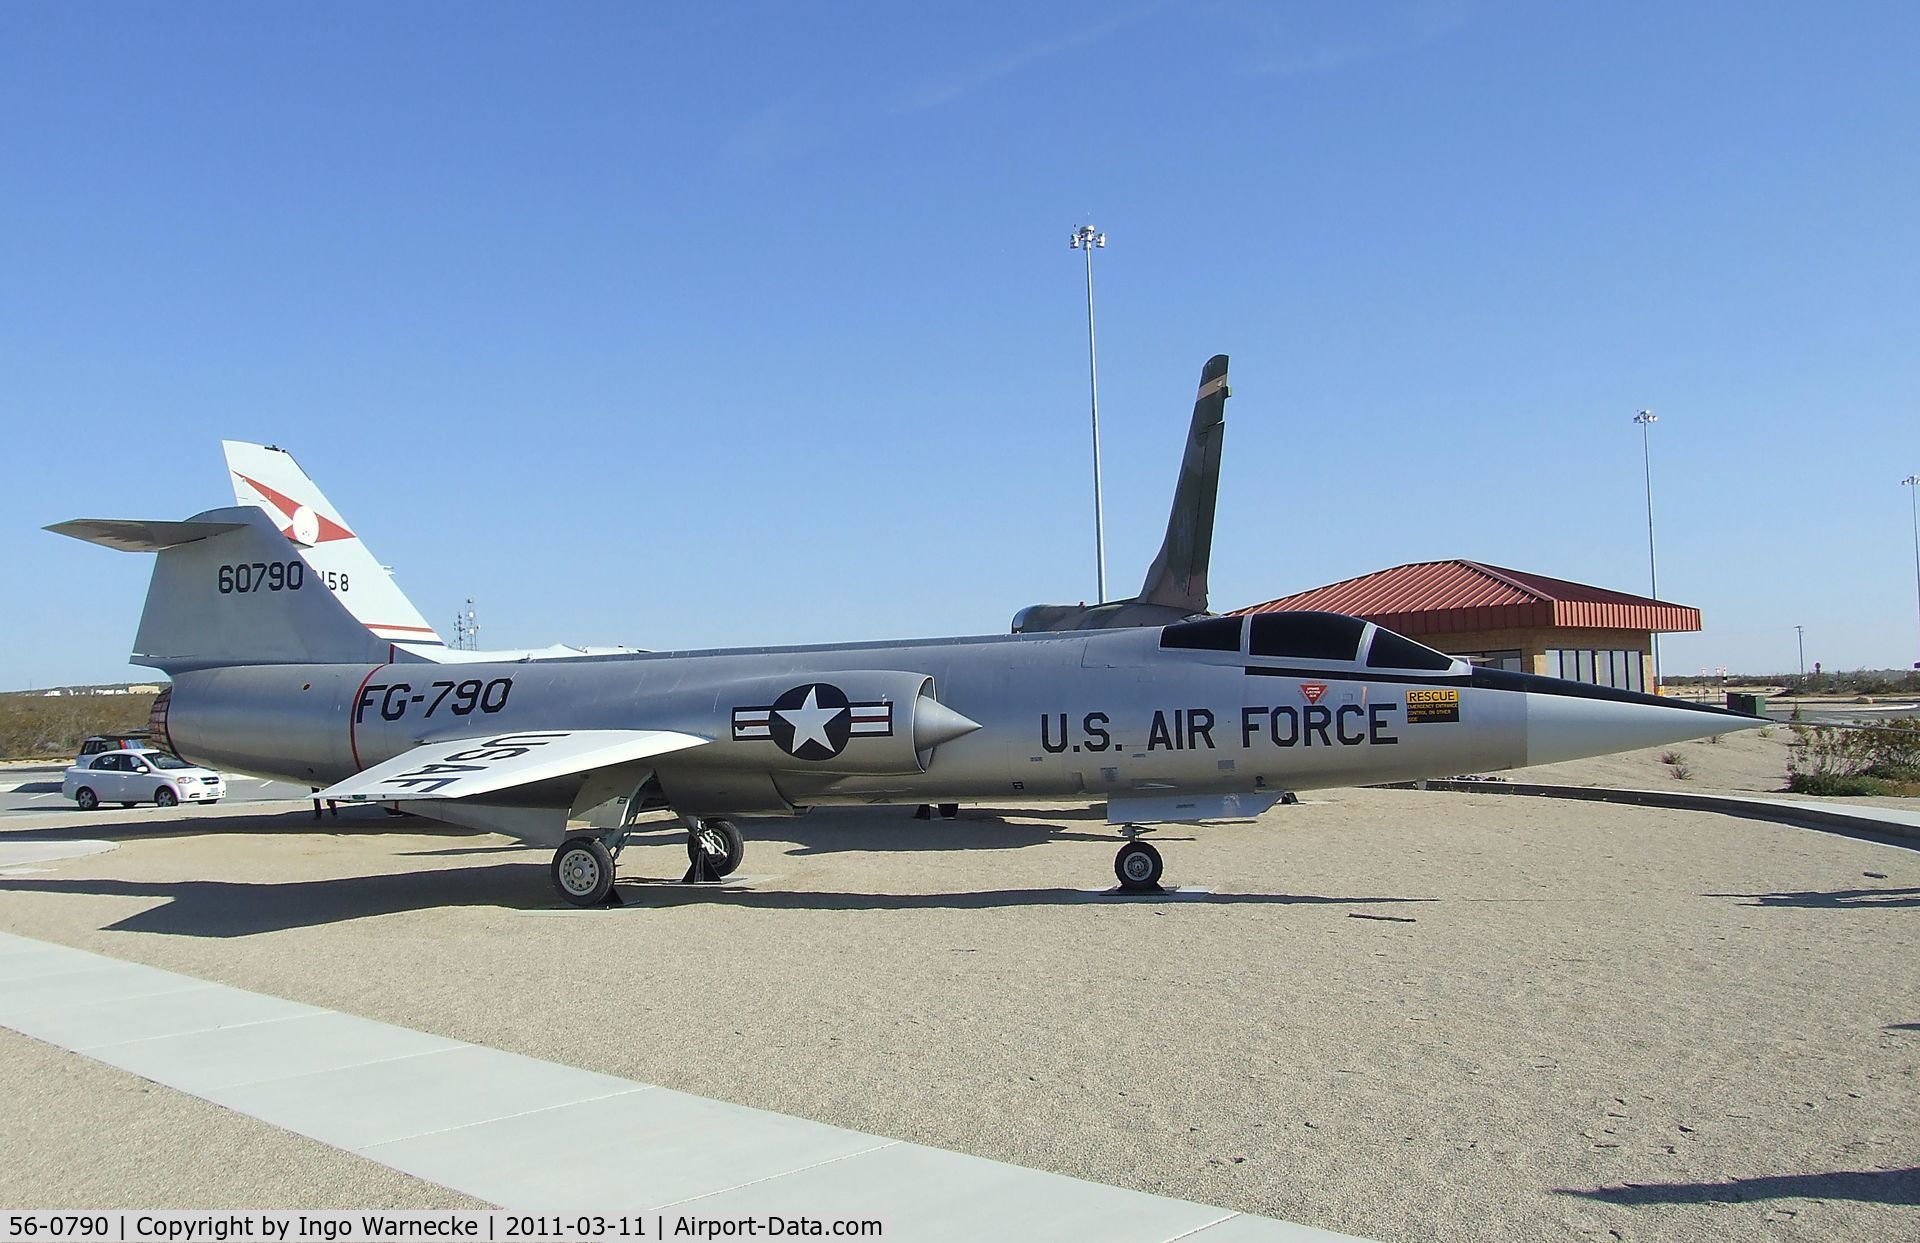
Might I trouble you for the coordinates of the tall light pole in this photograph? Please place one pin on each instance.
(1646, 419)
(1913, 502)
(1087, 238)
(1799, 692)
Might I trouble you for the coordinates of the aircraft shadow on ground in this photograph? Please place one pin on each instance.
(1831, 899)
(205, 908)
(354, 822)
(683, 895)
(1896, 1187)
(213, 908)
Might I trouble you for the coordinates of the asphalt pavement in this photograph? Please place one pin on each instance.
(36, 788)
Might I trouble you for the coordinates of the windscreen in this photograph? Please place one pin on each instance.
(160, 759)
(1307, 636)
(1393, 651)
(1215, 634)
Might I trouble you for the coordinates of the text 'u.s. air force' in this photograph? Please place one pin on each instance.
(1193, 729)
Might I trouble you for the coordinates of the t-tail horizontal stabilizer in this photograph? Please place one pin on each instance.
(139, 535)
(1176, 585)
(229, 588)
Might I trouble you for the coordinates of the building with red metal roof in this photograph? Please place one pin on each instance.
(1508, 618)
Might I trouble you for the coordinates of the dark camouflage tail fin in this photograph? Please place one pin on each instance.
(1178, 578)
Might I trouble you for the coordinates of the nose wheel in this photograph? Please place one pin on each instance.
(1138, 867)
(714, 849)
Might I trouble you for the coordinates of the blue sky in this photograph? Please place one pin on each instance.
(716, 324)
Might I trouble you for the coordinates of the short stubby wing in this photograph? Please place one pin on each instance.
(487, 764)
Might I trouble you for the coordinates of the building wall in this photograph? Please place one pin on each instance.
(1534, 644)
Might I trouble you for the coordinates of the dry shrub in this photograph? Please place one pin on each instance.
(34, 727)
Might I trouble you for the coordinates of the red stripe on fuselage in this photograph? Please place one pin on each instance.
(353, 716)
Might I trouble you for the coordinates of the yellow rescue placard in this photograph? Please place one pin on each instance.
(1428, 705)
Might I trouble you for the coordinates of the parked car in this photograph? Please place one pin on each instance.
(130, 775)
(138, 740)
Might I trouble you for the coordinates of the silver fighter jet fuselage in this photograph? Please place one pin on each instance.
(1164, 724)
(294, 656)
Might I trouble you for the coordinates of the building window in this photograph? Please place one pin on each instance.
(1614, 667)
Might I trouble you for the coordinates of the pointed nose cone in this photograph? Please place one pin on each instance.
(935, 723)
(1564, 726)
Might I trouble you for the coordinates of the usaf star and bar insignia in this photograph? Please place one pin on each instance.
(813, 721)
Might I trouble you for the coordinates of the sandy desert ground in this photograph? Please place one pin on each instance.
(1400, 1014)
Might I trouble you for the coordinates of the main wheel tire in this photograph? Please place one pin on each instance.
(721, 842)
(1138, 867)
(86, 798)
(165, 797)
(949, 811)
(583, 871)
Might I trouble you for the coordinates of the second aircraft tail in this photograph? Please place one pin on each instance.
(1176, 586)
(1178, 577)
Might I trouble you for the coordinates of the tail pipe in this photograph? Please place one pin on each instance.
(157, 720)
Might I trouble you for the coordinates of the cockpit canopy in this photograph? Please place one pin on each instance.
(1306, 636)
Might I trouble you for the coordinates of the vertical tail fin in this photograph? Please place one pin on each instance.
(1178, 577)
(267, 477)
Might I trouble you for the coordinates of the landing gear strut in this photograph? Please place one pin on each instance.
(714, 849)
(1137, 865)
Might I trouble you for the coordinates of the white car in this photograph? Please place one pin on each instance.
(140, 775)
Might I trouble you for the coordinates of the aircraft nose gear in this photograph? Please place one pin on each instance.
(714, 850)
(1138, 867)
(583, 871)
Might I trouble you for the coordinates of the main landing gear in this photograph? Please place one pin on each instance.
(1138, 863)
(583, 870)
(948, 811)
(583, 865)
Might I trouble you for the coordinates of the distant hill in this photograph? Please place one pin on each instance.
(37, 725)
(1826, 682)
